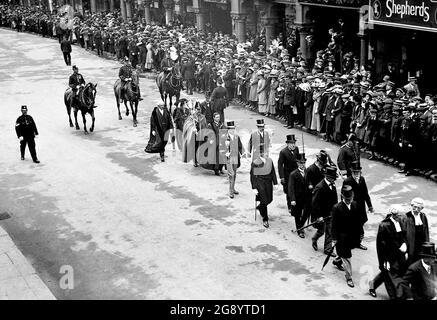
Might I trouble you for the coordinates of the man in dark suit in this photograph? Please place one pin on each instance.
(391, 247)
(259, 141)
(287, 163)
(217, 126)
(297, 193)
(417, 229)
(26, 130)
(361, 196)
(66, 51)
(420, 280)
(408, 140)
(323, 199)
(348, 152)
(345, 231)
(262, 179)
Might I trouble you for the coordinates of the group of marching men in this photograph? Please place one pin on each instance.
(406, 257)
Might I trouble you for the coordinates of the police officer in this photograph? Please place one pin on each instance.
(26, 131)
(348, 153)
(125, 75)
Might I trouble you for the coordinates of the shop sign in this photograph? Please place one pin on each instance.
(217, 1)
(411, 14)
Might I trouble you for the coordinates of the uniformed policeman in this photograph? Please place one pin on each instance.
(75, 82)
(348, 153)
(125, 75)
(26, 131)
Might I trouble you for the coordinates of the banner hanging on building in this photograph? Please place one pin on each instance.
(410, 14)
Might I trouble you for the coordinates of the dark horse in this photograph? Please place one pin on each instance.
(131, 94)
(83, 102)
(171, 87)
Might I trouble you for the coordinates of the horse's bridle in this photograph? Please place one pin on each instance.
(86, 101)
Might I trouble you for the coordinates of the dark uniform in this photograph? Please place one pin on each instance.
(76, 79)
(346, 156)
(407, 142)
(25, 128)
(124, 73)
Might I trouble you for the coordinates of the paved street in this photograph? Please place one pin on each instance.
(132, 227)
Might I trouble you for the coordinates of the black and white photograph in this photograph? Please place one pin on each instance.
(212, 150)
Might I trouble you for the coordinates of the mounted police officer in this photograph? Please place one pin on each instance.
(125, 75)
(26, 131)
(76, 83)
(167, 65)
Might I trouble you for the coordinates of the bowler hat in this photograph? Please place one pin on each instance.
(428, 250)
(24, 107)
(290, 138)
(322, 156)
(356, 166)
(331, 172)
(260, 122)
(230, 125)
(346, 192)
(301, 157)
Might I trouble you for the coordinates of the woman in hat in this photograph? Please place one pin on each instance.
(274, 84)
(262, 93)
(317, 95)
(253, 95)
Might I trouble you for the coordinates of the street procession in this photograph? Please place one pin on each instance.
(217, 149)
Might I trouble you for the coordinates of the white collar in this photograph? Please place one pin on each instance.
(397, 224)
(417, 219)
(426, 267)
(347, 205)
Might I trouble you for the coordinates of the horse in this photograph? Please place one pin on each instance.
(131, 94)
(172, 87)
(84, 102)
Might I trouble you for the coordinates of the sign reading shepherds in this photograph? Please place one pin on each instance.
(410, 14)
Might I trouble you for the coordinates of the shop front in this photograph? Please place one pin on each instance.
(403, 32)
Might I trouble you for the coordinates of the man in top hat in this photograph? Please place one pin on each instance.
(26, 131)
(417, 229)
(259, 141)
(345, 231)
(420, 280)
(391, 246)
(234, 148)
(262, 179)
(297, 193)
(348, 153)
(324, 197)
(287, 163)
(361, 196)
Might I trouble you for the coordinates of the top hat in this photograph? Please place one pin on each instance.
(230, 125)
(347, 192)
(260, 123)
(356, 166)
(24, 107)
(290, 138)
(322, 156)
(301, 157)
(428, 250)
(331, 172)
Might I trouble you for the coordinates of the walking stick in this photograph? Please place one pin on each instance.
(328, 256)
(255, 208)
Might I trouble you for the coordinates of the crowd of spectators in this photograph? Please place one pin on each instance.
(330, 95)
